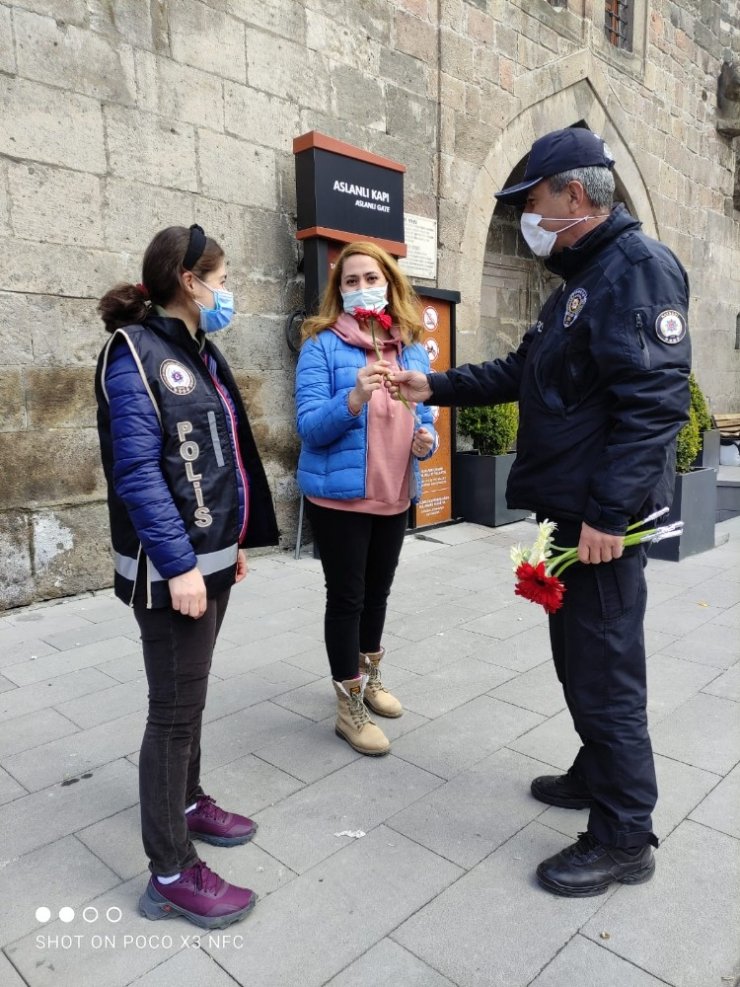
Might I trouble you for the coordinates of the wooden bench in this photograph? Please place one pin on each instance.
(728, 425)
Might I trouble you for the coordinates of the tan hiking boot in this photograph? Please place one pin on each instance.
(377, 696)
(353, 721)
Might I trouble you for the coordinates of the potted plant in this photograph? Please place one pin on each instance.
(481, 473)
(695, 492)
(709, 437)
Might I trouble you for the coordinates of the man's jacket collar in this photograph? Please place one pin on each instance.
(568, 262)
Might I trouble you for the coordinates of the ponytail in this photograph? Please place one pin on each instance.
(124, 305)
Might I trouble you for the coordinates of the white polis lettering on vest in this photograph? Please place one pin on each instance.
(190, 450)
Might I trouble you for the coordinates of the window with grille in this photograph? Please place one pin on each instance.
(618, 23)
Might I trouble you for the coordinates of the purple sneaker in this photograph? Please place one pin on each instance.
(211, 824)
(200, 896)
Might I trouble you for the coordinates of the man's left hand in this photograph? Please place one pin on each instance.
(597, 546)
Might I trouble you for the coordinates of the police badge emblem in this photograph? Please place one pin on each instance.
(176, 378)
(670, 327)
(576, 301)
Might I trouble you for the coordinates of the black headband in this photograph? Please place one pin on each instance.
(196, 246)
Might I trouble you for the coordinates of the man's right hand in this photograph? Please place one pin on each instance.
(410, 384)
(188, 592)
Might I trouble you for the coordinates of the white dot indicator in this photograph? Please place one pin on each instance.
(66, 914)
(43, 914)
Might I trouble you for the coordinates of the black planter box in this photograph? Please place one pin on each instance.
(694, 503)
(480, 489)
(709, 452)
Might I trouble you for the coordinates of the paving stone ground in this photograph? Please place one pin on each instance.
(440, 889)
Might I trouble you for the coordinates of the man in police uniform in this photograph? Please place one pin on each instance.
(602, 384)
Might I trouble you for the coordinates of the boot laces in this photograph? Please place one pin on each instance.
(374, 681)
(358, 710)
(209, 810)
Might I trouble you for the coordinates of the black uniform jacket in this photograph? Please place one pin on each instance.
(601, 379)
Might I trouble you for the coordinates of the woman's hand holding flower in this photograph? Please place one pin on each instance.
(369, 378)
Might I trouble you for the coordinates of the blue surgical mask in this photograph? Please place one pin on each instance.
(374, 299)
(219, 317)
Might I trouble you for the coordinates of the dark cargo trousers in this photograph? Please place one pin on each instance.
(599, 653)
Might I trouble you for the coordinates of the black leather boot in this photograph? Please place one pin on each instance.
(566, 791)
(588, 867)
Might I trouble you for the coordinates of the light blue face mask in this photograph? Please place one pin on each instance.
(373, 299)
(219, 317)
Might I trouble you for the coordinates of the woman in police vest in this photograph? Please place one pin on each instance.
(187, 494)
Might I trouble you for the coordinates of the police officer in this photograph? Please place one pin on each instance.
(602, 384)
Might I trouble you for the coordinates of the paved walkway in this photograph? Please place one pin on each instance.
(414, 870)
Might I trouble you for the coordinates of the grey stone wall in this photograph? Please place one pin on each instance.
(119, 118)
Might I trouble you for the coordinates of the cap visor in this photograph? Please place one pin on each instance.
(516, 195)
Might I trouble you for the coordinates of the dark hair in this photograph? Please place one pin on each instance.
(129, 304)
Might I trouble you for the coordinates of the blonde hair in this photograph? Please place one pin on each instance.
(403, 303)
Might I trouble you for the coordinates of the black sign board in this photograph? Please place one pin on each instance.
(341, 189)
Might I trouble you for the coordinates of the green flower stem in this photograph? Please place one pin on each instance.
(379, 355)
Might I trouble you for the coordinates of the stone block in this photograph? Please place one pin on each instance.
(271, 66)
(147, 80)
(404, 71)
(444, 689)
(697, 871)
(25, 459)
(187, 94)
(68, 11)
(53, 692)
(73, 58)
(51, 125)
(456, 741)
(16, 576)
(65, 873)
(202, 37)
(150, 149)
(343, 43)
(235, 170)
(55, 269)
(71, 550)
(387, 962)
(133, 212)
(410, 119)
(60, 397)
(459, 823)
(353, 88)
(259, 117)
(530, 927)
(32, 730)
(9, 788)
(719, 809)
(54, 205)
(683, 734)
(42, 818)
(582, 964)
(286, 18)
(131, 21)
(415, 37)
(7, 55)
(63, 331)
(12, 400)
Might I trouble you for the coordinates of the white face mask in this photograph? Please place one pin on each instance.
(541, 241)
(374, 299)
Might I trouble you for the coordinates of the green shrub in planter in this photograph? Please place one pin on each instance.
(491, 429)
(699, 404)
(688, 443)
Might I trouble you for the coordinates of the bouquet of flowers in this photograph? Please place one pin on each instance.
(538, 568)
(370, 318)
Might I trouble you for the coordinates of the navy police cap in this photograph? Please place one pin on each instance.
(561, 150)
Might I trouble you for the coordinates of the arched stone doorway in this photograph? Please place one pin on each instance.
(500, 283)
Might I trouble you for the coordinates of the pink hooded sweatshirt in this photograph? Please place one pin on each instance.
(390, 431)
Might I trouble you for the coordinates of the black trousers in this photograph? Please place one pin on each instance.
(359, 555)
(177, 656)
(599, 653)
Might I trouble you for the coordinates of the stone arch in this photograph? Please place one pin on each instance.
(560, 109)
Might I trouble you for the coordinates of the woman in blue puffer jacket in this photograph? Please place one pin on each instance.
(359, 468)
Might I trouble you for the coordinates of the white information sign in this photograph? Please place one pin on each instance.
(420, 235)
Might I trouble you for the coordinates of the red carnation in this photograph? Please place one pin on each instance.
(534, 583)
(366, 314)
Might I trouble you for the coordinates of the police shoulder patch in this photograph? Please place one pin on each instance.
(176, 378)
(670, 327)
